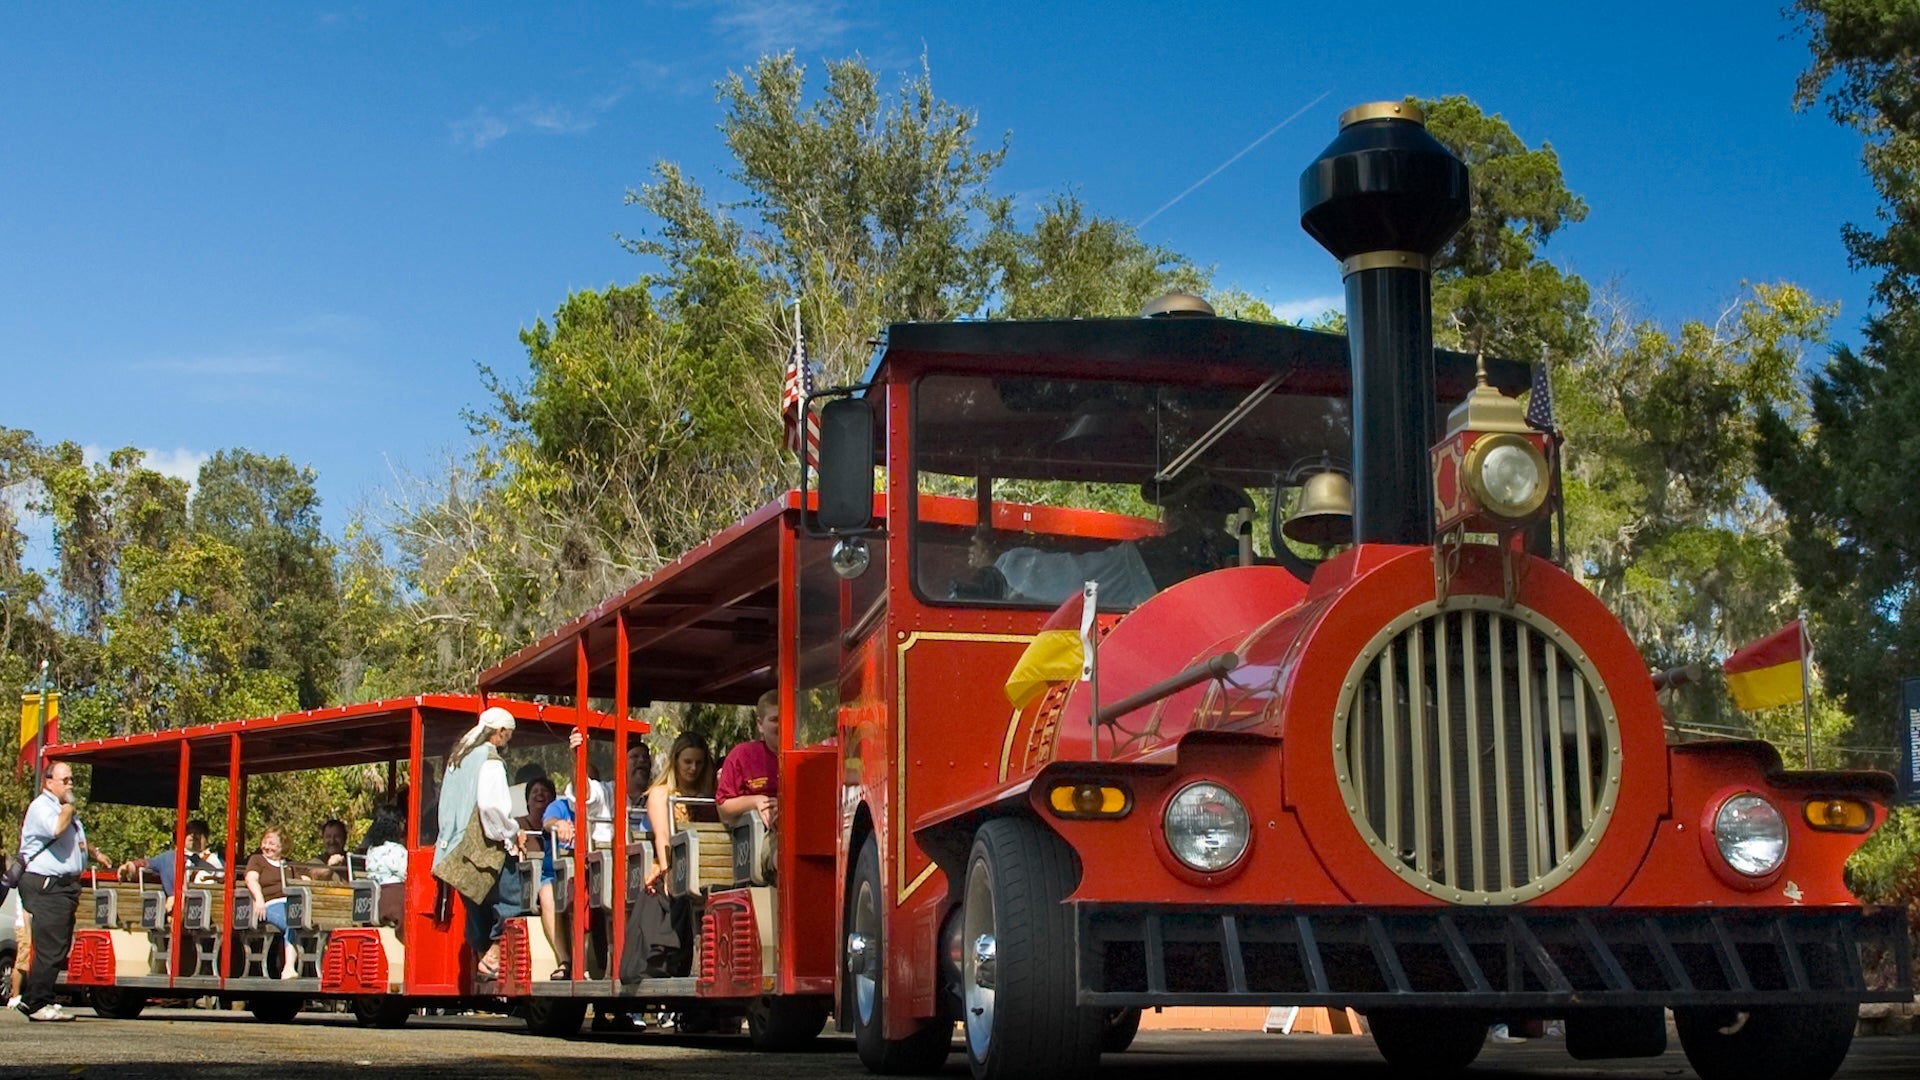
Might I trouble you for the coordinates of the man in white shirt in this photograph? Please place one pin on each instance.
(55, 844)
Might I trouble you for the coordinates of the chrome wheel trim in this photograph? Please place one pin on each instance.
(866, 930)
(978, 960)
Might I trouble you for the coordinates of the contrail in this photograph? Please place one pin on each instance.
(1243, 153)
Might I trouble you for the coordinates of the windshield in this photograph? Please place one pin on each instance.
(1029, 486)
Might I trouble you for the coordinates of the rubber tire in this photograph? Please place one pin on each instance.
(783, 1024)
(1428, 1042)
(1122, 1026)
(116, 1003)
(1037, 1032)
(924, 1051)
(386, 1011)
(277, 1009)
(556, 1017)
(1779, 1042)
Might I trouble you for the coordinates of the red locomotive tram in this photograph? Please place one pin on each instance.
(1426, 778)
(1351, 737)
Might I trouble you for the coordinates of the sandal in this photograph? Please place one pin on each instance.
(488, 967)
(561, 973)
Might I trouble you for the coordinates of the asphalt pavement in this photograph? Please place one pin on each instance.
(205, 1045)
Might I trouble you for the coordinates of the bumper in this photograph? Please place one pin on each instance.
(1516, 958)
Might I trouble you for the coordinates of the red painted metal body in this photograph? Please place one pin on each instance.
(354, 962)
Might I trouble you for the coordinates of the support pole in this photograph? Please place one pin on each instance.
(582, 826)
(235, 815)
(622, 697)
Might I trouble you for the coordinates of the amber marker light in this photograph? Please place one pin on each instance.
(1839, 815)
(1089, 800)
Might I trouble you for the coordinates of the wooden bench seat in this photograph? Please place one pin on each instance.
(700, 859)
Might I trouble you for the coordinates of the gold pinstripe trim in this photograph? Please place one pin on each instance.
(897, 805)
(1006, 748)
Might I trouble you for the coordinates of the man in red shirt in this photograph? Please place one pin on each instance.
(750, 777)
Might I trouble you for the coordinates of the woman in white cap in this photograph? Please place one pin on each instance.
(477, 851)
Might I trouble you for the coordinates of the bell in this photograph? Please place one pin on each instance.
(1324, 517)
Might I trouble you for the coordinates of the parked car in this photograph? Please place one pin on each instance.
(8, 947)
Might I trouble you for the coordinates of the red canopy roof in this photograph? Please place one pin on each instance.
(372, 731)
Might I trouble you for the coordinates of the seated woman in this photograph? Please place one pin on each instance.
(659, 931)
(386, 863)
(267, 885)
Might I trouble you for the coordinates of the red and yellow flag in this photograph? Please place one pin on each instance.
(1055, 655)
(1768, 672)
(30, 726)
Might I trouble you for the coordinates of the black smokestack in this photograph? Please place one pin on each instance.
(1384, 197)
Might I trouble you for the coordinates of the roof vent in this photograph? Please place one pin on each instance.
(1178, 304)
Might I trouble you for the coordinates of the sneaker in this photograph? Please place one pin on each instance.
(50, 1011)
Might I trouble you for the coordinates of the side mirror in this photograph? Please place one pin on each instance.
(846, 465)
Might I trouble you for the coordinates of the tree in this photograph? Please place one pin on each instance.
(1665, 520)
(1866, 65)
(1492, 290)
(268, 511)
(1075, 264)
(1842, 478)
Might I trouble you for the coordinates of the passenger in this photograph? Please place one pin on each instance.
(639, 779)
(540, 795)
(333, 851)
(750, 777)
(478, 849)
(659, 929)
(267, 884)
(560, 824)
(203, 864)
(386, 842)
(1193, 541)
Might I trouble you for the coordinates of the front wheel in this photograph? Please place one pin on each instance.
(116, 1003)
(1017, 965)
(862, 954)
(781, 1024)
(557, 1017)
(274, 1009)
(381, 1011)
(1427, 1042)
(1798, 1042)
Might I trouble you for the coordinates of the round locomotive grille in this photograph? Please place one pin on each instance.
(1477, 750)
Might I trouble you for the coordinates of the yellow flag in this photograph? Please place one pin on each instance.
(30, 716)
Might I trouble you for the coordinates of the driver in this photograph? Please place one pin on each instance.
(1193, 542)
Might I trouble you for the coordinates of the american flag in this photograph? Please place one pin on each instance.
(793, 400)
(1540, 401)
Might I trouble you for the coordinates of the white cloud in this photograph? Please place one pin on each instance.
(1306, 309)
(179, 463)
(484, 127)
(774, 26)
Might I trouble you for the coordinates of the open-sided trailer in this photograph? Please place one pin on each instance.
(131, 945)
(708, 629)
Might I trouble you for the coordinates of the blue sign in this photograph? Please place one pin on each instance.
(1907, 729)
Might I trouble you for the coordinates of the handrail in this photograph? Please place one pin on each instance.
(1216, 667)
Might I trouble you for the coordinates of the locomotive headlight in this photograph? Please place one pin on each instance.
(1207, 827)
(1507, 475)
(1751, 834)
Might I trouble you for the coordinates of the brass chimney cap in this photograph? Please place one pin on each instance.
(1177, 304)
(1383, 110)
(1487, 409)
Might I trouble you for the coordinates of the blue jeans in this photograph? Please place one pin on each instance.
(507, 898)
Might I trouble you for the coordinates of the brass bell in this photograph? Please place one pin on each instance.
(1324, 517)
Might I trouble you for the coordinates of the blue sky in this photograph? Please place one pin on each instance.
(297, 228)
